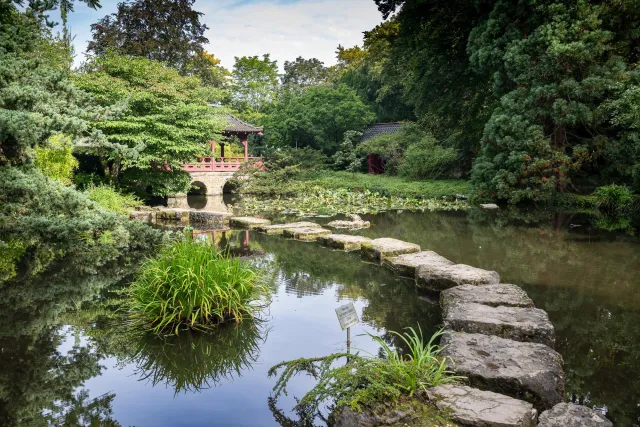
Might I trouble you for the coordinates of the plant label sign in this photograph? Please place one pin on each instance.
(347, 316)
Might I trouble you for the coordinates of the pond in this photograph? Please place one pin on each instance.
(61, 362)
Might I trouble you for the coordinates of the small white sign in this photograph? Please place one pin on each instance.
(347, 316)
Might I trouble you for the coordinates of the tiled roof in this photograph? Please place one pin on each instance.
(379, 129)
(235, 125)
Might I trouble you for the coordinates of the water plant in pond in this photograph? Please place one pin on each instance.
(364, 381)
(194, 285)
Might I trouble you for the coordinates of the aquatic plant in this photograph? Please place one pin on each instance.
(363, 381)
(194, 285)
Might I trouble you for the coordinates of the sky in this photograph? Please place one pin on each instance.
(284, 28)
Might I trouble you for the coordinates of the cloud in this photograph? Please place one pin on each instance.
(284, 28)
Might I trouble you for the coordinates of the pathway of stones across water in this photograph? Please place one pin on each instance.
(494, 336)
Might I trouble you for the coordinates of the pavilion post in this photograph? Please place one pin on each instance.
(245, 143)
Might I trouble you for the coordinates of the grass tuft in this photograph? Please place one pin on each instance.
(195, 286)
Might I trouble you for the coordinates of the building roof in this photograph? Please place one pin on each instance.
(379, 129)
(235, 125)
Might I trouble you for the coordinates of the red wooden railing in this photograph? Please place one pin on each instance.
(220, 164)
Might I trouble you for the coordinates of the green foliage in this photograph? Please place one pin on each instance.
(364, 381)
(160, 30)
(193, 285)
(348, 156)
(108, 198)
(425, 159)
(316, 118)
(612, 198)
(56, 159)
(302, 73)
(254, 83)
(164, 120)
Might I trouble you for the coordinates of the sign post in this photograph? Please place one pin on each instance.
(347, 317)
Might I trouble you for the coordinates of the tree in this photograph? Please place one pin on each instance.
(163, 121)
(316, 118)
(169, 31)
(208, 68)
(302, 73)
(254, 83)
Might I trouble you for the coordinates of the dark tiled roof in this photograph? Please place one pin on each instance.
(235, 125)
(379, 129)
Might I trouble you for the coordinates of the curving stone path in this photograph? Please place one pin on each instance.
(495, 338)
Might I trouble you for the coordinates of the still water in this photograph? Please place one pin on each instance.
(62, 362)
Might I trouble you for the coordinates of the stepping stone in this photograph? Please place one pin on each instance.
(439, 277)
(248, 222)
(472, 407)
(514, 323)
(406, 265)
(181, 215)
(522, 370)
(489, 206)
(209, 216)
(279, 228)
(493, 295)
(380, 249)
(307, 234)
(344, 242)
(145, 216)
(571, 415)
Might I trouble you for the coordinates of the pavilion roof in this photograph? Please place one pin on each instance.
(235, 125)
(378, 129)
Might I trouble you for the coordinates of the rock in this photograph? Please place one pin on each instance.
(493, 295)
(473, 407)
(571, 415)
(355, 223)
(306, 233)
(181, 215)
(344, 242)
(380, 249)
(209, 217)
(515, 323)
(522, 370)
(439, 277)
(279, 228)
(145, 216)
(407, 264)
(248, 222)
(412, 412)
(489, 206)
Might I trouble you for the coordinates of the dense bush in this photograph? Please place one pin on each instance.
(193, 285)
(425, 159)
(110, 199)
(56, 159)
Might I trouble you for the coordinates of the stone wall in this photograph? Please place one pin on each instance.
(214, 181)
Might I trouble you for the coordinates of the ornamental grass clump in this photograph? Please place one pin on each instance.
(192, 285)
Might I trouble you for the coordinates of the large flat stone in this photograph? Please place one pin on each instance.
(493, 295)
(248, 222)
(203, 216)
(522, 370)
(380, 249)
(473, 407)
(180, 215)
(439, 277)
(571, 415)
(306, 233)
(344, 242)
(279, 228)
(515, 323)
(406, 265)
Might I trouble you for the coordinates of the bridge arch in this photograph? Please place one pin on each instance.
(214, 182)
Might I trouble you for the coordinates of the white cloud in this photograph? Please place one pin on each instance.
(285, 29)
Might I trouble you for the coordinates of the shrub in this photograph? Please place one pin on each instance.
(368, 380)
(194, 286)
(55, 159)
(612, 198)
(427, 160)
(109, 199)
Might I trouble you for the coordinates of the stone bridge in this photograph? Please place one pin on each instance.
(210, 183)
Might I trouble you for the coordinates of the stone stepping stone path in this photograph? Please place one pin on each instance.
(308, 234)
(344, 242)
(209, 216)
(522, 370)
(408, 264)
(180, 215)
(248, 222)
(495, 336)
(472, 407)
(279, 228)
(515, 323)
(571, 415)
(493, 295)
(380, 249)
(439, 277)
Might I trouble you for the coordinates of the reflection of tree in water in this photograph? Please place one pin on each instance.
(305, 416)
(191, 362)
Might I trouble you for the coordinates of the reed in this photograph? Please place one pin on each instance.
(193, 285)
